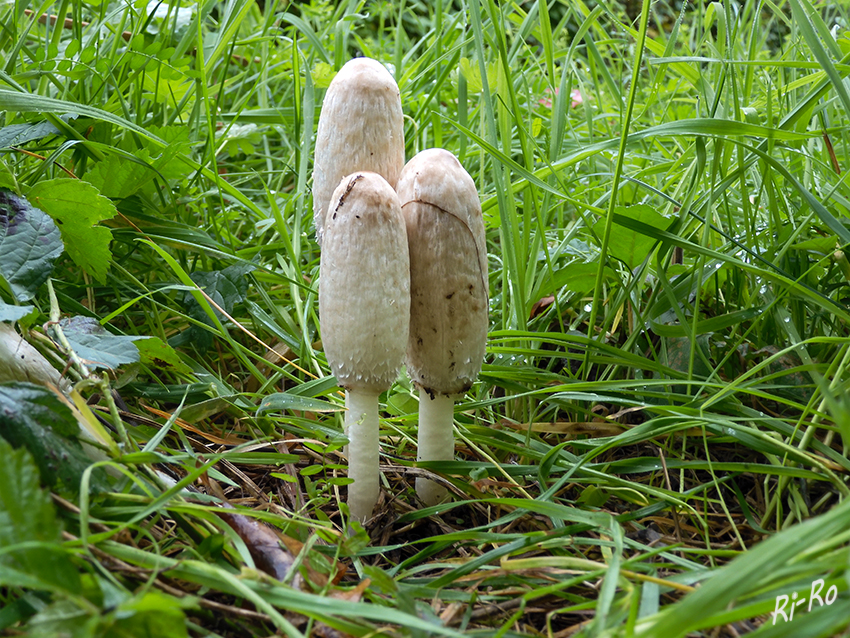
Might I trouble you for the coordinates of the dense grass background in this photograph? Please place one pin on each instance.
(657, 445)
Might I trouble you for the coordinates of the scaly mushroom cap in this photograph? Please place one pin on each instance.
(448, 272)
(360, 129)
(364, 292)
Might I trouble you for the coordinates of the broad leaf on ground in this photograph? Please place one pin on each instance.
(98, 347)
(29, 243)
(13, 313)
(77, 207)
(116, 176)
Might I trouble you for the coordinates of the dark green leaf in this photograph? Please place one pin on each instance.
(77, 207)
(116, 176)
(26, 514)
(679, 353)
(97, 347)
(225, 288)
(29, 242)
(34, 417)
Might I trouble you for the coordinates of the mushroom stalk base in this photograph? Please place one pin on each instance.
(361, 428)
(436, 441)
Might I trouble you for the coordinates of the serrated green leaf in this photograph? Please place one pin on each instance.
(167, 91)
(116, 177)
(286, 401)
(322, 74)
(33, 417)
(122, 175)
(77, 206)
(97, 347)
(630, 246)
(27, 514)
(29, 242)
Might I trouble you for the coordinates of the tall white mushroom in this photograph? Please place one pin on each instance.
(364, 309)
(360, 129)
(448, 296)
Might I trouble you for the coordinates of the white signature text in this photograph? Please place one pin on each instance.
(784, 601)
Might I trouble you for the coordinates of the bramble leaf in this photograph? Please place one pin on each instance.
(34, 417)
(77, 207)
(26, 515)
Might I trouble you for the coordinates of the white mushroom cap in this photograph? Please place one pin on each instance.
(361, 128)
(448, 272)
(364, 292)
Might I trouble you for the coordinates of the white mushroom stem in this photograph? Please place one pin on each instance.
(448, 296)
(361, 428)
(364, 307)
(436, 440)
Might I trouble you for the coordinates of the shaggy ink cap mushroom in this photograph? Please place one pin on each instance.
(361, 128)
(448, 296)
(364, 310)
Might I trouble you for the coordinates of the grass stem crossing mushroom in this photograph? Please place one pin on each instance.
(448, 296)
(364, 311)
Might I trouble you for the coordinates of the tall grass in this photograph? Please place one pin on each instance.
(658, 441)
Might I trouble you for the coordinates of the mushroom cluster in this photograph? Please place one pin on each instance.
(403, 272)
